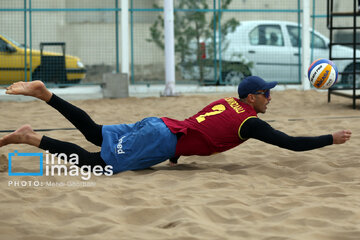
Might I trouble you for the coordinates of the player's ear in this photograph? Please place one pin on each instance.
(250, 98)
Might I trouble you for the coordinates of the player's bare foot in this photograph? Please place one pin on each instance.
(24, 134)
(35, 89)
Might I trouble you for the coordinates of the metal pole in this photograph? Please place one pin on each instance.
(299, 44)
(25, 38)
(313, 29)
(220, 40)
(169, 48)
(125, 36)
(214, 45)
(117, 35)
(132, 40)
(30, 38)
(354, 54)
(305, 44)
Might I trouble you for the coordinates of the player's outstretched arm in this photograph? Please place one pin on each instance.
(340, 137)
(259, 129)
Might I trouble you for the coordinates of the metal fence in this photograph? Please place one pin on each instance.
(217, 41)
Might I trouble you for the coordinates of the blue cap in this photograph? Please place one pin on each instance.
(252, 84)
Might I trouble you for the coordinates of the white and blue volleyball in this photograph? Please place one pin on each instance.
(323, 73)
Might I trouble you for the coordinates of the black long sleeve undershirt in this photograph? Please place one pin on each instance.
(261, 130)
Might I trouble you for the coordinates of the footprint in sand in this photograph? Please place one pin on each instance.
(3, 163)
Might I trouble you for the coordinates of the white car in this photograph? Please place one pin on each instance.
(272, 48)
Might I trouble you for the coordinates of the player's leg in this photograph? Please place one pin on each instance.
(85, 158)
(25, 135)
(80, 119)
(35, 89)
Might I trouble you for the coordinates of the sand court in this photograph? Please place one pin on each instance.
(254, 191)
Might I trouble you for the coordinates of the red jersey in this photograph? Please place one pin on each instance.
(216, 128)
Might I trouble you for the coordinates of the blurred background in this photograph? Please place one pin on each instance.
(217, 42)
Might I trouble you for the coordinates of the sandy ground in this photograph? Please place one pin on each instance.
(255, 191)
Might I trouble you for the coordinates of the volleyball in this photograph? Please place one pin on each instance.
(323, 73)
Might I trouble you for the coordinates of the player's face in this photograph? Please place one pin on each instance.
(262, 99)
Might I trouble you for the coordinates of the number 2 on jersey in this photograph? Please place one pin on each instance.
(217, 109)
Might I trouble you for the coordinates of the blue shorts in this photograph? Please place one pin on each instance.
(137, 146)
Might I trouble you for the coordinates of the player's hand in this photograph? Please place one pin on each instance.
(341, 136)
(172, 164)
